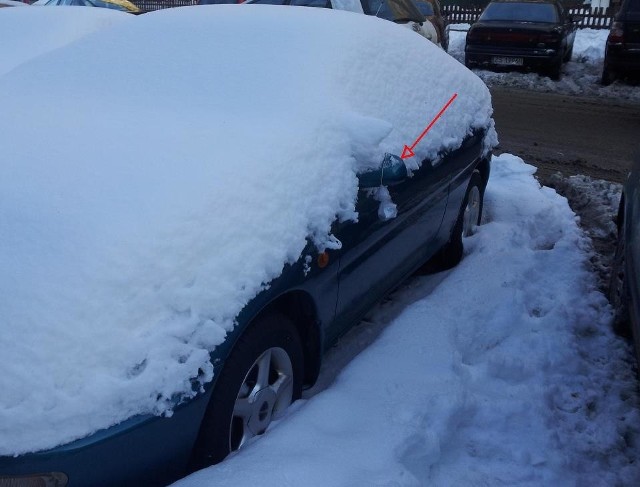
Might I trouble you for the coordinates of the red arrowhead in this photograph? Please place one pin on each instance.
(407, 152)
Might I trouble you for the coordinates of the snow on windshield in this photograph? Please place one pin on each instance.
(181, 161)
(28, 32)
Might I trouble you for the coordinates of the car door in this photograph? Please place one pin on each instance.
(378, 252)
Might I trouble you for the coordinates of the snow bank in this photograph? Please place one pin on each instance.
(26, 33)
(182, 159)
(580, 76)
(505, 374)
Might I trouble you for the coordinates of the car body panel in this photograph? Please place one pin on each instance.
(134, 453)
(629, 230)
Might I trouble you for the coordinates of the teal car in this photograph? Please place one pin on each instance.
(405, 212)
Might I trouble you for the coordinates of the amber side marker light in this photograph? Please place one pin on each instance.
(323, 261)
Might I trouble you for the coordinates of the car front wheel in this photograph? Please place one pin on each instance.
(259, 380)
(619, 290)
(466, 225)
(555, 72)
(608, 76)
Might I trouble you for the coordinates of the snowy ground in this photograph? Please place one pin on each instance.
(524, 384)
(580, 76)
(595, 201)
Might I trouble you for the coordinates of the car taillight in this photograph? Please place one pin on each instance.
(549, 38)
(616, 34)
(473, 36)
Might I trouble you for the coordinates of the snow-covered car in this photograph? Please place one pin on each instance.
(622, 51)
(624, 288)
(208, 205)
(522, 34)
(26, 33)
(402, 12)
(120, 5)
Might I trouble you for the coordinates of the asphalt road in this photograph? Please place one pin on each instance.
(571, 134)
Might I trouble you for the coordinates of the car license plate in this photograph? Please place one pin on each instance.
(507, 61)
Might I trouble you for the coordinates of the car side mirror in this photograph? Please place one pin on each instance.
(391, 171)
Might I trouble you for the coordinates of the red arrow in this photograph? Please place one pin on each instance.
(407, 152)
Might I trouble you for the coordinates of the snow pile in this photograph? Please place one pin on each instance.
(505, 374)
(26, 33)
(181, 161)
(581, 75)
(588, 46)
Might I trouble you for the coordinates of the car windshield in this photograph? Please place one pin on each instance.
(393, 10)
(520, 12)
(425, 8)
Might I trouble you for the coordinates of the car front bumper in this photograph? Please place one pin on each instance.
(532, 58)
(141, 451)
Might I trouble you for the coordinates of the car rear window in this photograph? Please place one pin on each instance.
(520, 12)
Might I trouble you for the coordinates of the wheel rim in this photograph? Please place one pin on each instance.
(264, 395)
(471, 212)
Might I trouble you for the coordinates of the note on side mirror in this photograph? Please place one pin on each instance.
(391, 171)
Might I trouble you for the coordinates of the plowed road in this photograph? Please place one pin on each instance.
(571, 134)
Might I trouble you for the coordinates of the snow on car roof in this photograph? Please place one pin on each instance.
(173, 164)
(29, 32)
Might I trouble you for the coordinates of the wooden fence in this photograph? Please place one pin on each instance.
(597, 18)
(149, 5)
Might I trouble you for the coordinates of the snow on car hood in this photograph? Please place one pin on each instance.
(174, 164)
(29, 32)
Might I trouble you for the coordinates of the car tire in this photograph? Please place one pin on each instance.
(568, 54)
(619, 290)
(468, 220)
(469, 64)
(555, 72)
(608, 76)
(261, 377)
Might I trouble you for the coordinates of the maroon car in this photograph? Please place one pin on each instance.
(622, 54)
(523, 34)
